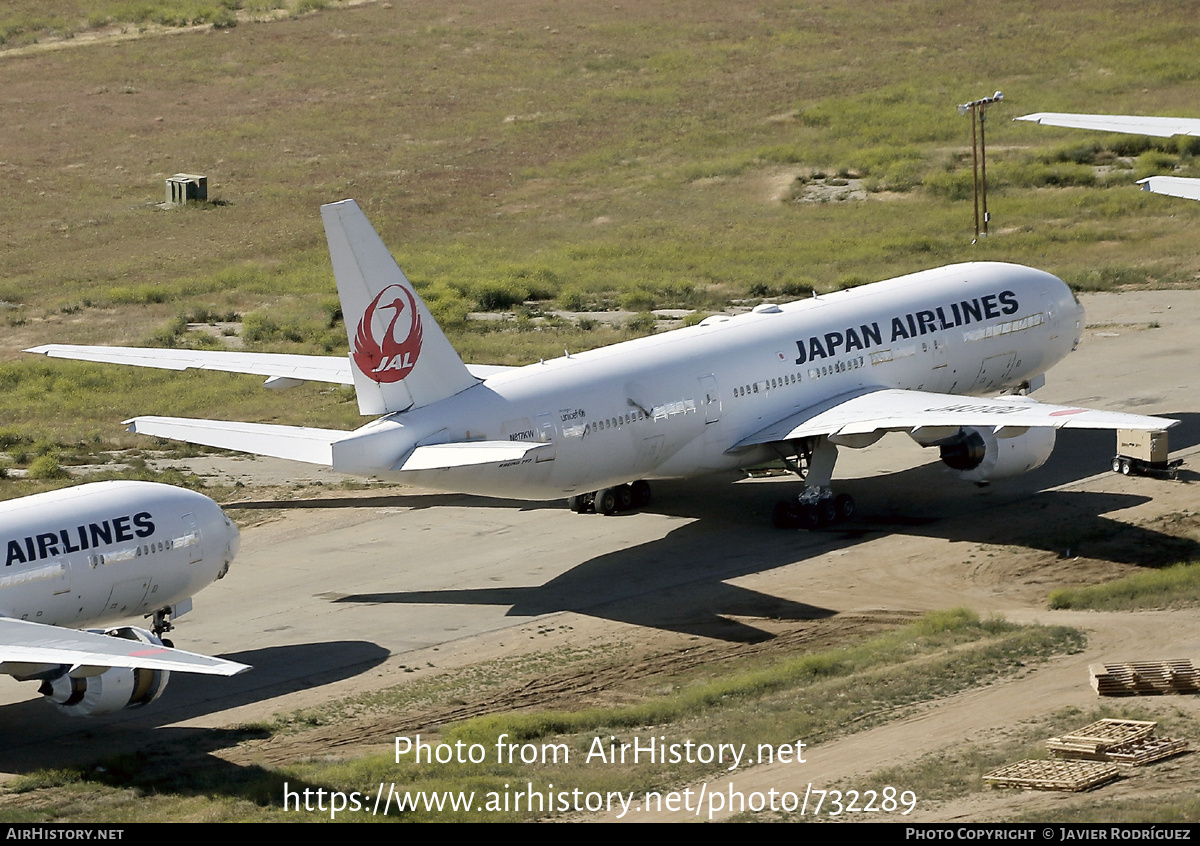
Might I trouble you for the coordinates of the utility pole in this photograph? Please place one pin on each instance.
(979, 155)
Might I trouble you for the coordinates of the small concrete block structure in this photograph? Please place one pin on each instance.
(184, 187)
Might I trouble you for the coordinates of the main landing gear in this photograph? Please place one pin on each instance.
(813, 509)
(817, 506)
(612, 500)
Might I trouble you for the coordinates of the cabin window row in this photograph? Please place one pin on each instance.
(767, 384)
(1005, 328)
(126, 554)
(836, 367)
(614, 422)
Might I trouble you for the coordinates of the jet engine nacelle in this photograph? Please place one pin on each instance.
(82, 695)
(977, 455)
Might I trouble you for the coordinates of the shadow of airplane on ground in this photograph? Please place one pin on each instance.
(687, 571)
(730, 538)
(31, 727)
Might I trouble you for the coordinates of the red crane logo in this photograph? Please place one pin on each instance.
(389, 356)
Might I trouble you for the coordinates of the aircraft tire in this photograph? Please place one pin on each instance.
(624, 497)
(827, 512)
(606, 501)
(786, 515)
(641, 493)
(809, 518)
(577, 503)
(845, 506)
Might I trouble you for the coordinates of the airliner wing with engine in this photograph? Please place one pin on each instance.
(795, 381)
(93, 555)
(1159, 127)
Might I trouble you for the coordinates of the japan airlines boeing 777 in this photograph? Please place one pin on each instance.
(95, 554)
(794, 381)
(1159, 127)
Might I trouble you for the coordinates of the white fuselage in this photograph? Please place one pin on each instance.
(105, 551)
(677, 404)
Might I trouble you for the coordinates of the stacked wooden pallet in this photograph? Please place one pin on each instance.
(1145, 678)
(1090, 756)
(1128, 743)
(1053, 775)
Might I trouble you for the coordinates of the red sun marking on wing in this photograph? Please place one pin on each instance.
(380, 354)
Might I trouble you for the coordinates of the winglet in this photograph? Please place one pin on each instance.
(400, 358)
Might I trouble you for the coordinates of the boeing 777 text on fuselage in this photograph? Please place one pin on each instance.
(797, 381)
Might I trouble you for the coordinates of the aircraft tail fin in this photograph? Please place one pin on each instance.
(399, 356)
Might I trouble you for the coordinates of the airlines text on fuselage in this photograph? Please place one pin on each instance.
(76, 538)
(911, 325)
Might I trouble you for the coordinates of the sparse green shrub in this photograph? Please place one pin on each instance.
(572, 299)
(1104, 278)
(499, 296)
(1188, 145)
(801, 287)
(257, 327)
(637, 300)
(46, 467)
(1155, 163)
(1035, 174)
(641, 324)
(1081, 153)
(1129, 145)
(951, 185)
(1176, 585)
(10, 437)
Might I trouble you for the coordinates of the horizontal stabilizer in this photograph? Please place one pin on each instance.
(25, 646)
(898, 411)
(297, 443)
(1172, 186)
(445, 456)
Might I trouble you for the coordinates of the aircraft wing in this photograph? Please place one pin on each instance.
(1172, 186)
(893, 410)
(314, 368)
(36, 646)
(1160, 127)
(281, 369)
